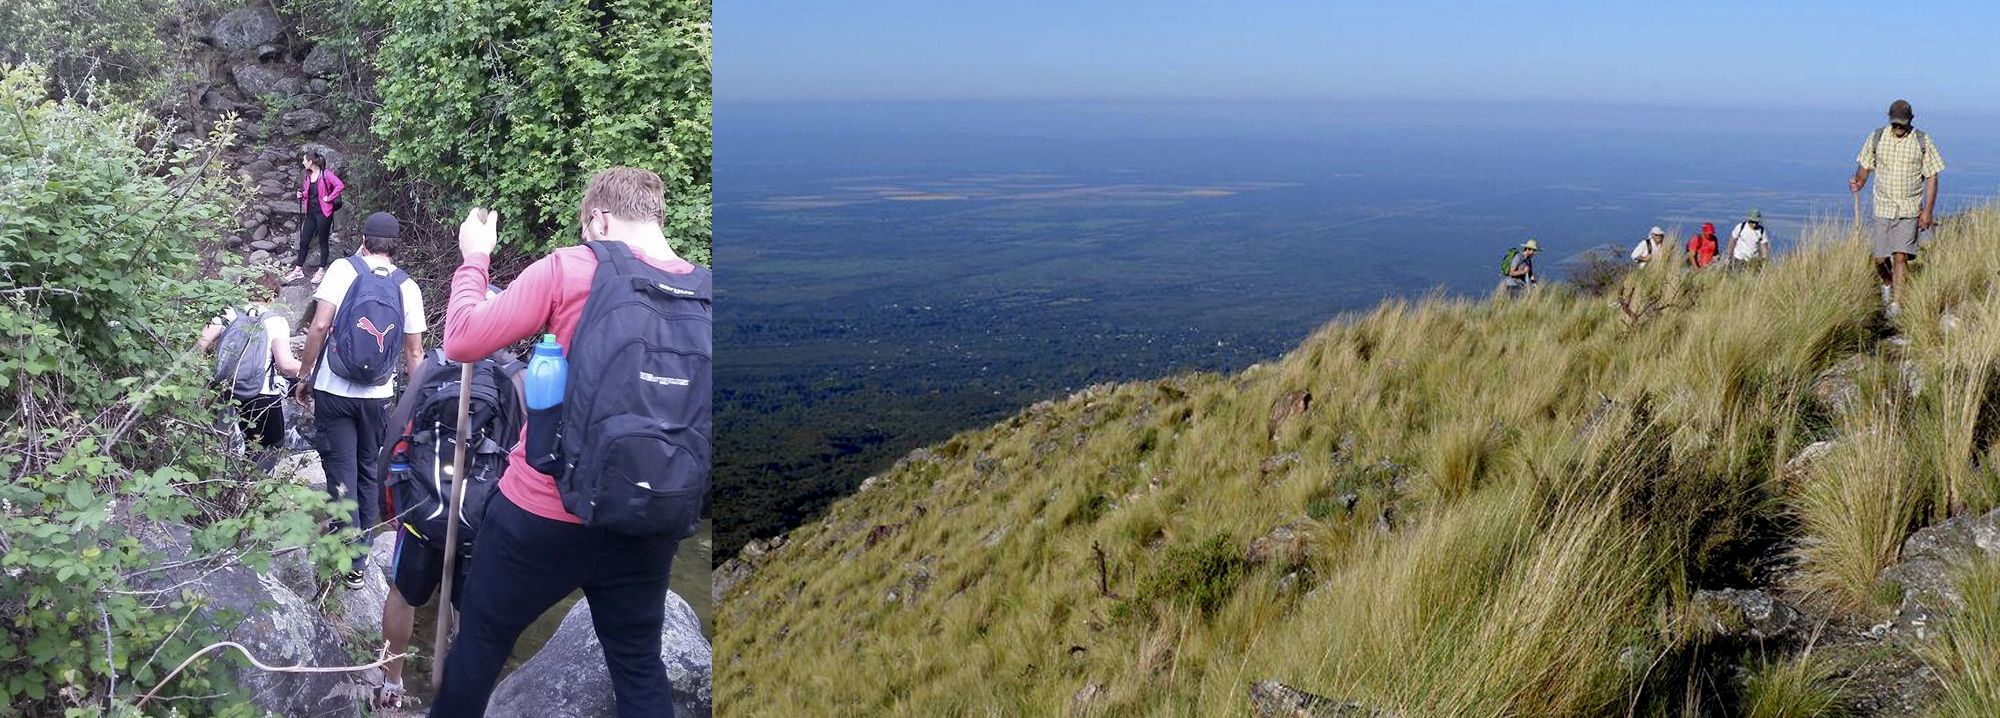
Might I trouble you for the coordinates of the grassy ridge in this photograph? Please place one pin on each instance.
(1494, 509)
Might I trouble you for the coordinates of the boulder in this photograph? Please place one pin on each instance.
(259, 167)
(267, 52)
(247, 28)
(259, 256)
(1285, 545)
(216, 101)
(303, 122)
(1796, 469)
(334, 159)
(276, 624)
(568, 678)
(285, 206)
(323, 61)
(1288, 406)
(1836, 387)
(1271, 699)
(1930, 559)
(1743, 613)
(256, 81)
(264, 244)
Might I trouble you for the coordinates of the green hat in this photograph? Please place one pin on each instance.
(1532, 245)
(1756, 216)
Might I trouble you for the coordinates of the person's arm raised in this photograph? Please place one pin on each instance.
(475, 326)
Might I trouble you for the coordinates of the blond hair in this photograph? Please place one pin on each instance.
(628, 193)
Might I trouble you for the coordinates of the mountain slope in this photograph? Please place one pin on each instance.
(1444, 508)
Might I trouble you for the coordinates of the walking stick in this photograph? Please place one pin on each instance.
(446, 615)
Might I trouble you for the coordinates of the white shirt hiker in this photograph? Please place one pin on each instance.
(333, 289)
(1749, 240)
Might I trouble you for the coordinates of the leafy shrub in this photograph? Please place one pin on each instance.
(102, 292)
(515, 103)
(133, 47)
(1198, 577)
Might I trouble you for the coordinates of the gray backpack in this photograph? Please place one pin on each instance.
(243, 356)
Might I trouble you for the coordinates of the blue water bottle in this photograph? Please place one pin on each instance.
(547, 377)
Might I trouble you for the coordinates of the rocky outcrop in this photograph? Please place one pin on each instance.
(304, 122)
(323, 61)
(360, 615)
(1743, 613)
(568, 678)
(266, 615)
(1271, 699)
(247, 28)
(257, 81)
(1930, 557)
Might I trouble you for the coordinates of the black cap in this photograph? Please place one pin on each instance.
(382, 224)
(1900, 113)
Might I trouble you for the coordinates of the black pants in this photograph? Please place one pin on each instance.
(262, 419)
(313, 225)
(526, 564)
(348, 434)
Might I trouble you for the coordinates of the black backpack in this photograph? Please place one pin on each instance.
(637, 414)
(243, 356)
(365, 340)
(422, 434)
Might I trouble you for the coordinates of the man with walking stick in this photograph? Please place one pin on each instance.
(1905, 164)
(602, 503)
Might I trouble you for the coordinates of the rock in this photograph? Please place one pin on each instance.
(1271, 699)
(1288, 406)
(1743, 613)
(1086, 699)
(268, 53)
(318, 86)
(1795, 469)
(1836, 388)
(304, 122)
(323, 61)
(247, 28)
(1285, 545)
(285, 206)
(216, 101)
(334, 159)
(1929, 559)
(258, 81)
(568, 678)
(250, 222)
(233, 241)
(259, 256)
(264, 244)
(728, 576)
(868, 483)
(258, 167)
(361, 609)
(273, 621)
(1275, 463)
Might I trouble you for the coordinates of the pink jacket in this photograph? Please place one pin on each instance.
(330, 189)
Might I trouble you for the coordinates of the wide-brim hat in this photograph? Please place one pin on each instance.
(1531, 244)
(1657, 232)
(1755, 216)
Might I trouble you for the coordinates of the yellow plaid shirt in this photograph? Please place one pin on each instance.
(1900, 172)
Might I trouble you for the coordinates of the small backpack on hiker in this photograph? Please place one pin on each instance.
(364, 343)
(243, 356)
(632, 448)
(422, 434)
(1507, 262)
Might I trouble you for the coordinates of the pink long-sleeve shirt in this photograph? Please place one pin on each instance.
(549, 293)
(329, 190)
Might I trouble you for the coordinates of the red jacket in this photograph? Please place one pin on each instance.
(330, 189)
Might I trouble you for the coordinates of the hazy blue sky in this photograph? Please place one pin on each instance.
(1722, 55)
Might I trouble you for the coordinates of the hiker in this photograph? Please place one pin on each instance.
(418, 447)
(1652, 246)
(253, 347)
(1749, 244)
(361, 309)
(319, 196)
(1702, 247)
(541, 540)
(1906, 164)
(1519, 268)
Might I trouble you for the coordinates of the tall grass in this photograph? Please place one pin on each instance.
(1966, 654)
(1505, 507)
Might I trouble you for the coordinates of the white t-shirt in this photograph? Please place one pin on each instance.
(1748, 240)
(276, 329)
(333, 289)
(1643, 252)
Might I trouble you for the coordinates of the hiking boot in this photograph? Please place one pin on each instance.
(353, 578)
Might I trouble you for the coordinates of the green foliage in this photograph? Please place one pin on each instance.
(133, 47)
(1966, 654)
(1198, 577)
(1807, 686)
(101, 294)
(514, 104)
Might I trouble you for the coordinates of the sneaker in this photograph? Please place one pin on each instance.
(1887, 298)
(1894, 310)
(353, 579)
(296, 274)
(389, 697)
(318, 274)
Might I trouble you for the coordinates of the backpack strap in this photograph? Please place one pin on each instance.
(399, 420)
(645, 277)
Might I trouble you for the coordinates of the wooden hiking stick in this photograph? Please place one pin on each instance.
(446, 615)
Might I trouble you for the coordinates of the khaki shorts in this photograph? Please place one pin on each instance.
(1892, 236)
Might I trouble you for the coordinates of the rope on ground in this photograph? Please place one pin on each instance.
(260, 666)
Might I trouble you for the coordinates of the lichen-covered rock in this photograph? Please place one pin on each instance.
(323, 61)
(304, 122)
(1271, 699)
(568, 678)
(361, 609)
(1284, 545)
(256, 81)
(1929, 558)
(1743, 613)
(334, 159)
(247, 28)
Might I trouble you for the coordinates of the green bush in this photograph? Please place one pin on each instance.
(1199, 577)
(102, 291)
(133, 47)
(514, 103)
